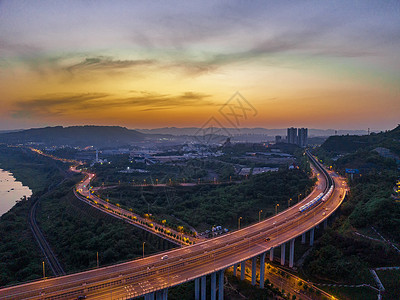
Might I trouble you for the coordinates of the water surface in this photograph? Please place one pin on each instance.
(11, 191)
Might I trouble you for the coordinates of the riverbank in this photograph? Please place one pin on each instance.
(11, 191)
(21, 257)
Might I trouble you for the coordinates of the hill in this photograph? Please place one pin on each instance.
(351, 143)
(98, 136)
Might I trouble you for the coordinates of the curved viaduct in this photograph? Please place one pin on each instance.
(152, 276)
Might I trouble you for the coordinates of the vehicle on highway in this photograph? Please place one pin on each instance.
(164, 257)
(267, 239)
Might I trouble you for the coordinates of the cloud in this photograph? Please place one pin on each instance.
(54, 104)
(68, 104)
(102, 63)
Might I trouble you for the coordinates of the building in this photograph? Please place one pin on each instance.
(302, 137)
(278, 139)
(292, 135)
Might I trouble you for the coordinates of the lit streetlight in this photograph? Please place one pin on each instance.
(288, 203)
(259, 215)
(298, 198)
(44, 273)
(143, 248)
(276, 208)
(239, 222)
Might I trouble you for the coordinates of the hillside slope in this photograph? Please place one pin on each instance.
(98, 136)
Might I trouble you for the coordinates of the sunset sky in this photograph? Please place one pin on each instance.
(147, 64)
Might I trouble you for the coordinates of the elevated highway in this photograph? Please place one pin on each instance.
(152, 276)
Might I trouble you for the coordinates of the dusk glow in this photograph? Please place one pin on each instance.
(174, 63)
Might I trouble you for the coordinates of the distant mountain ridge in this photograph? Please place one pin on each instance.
(258, 130)
(351, 143)
(98, 136)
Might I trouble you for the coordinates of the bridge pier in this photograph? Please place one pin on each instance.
(312, 236)
(253, 270)
(159, 295)
(283, 250)
(271, 254)
(242, 270)
(291, 253)
(221, 285)
(197, 289)
(162, 294)
(262, 270)
(325, 223)
(303, 238)
(214, 286)
(235, 269)
(203, 287)
(149, 296)
(165, 294)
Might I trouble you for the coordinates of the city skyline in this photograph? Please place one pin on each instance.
(150, 65)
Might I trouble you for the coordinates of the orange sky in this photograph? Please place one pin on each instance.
(159, 66)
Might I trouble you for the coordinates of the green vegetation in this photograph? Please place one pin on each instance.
(203, 206)
(37, 172)
(370, 204)
(352, 143)
(341, 256)
(391, 281)
(21, 258)
(77, 232)
(351, 293)
(74, 230)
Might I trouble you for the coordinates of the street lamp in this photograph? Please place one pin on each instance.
(44, 273)
(143, 248)
(239, 222)
(298, 198)
(259, 215)
(288, 203)
(276, 208)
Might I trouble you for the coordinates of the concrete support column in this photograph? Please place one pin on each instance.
(291, 253)
(235, 266)
(203, 287)
(303, 238)
(253, 270)
(149, 296)
(312, 236)
(242, 270)
(262, 270)
(214, 286)
(197, 289)
(283, 252)
(159, 295)
(325, 223)
(221, 285)
(271, 254)
(165, 294)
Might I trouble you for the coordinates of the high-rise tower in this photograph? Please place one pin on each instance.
(302, 137)
(292, 135)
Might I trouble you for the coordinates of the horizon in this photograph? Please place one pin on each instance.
(154, 65)
(195, 127)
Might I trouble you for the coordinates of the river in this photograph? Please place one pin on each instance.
(11, 190)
